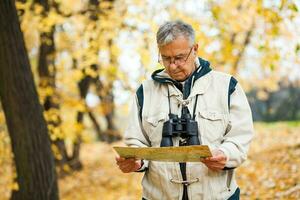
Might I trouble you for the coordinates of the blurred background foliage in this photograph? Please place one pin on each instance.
(89, 56)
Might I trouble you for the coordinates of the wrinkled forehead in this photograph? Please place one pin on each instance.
(180, 45)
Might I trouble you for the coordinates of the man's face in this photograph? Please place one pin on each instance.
(178, 58)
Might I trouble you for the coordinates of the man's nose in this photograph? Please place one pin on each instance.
(172, 65)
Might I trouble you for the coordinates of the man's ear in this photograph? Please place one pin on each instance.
(195, 49)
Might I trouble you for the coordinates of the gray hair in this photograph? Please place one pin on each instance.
(171, 30)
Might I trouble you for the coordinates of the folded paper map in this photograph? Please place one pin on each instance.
(167, 154)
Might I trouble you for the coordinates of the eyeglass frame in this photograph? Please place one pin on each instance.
(161, 61)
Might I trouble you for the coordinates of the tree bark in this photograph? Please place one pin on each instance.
(107, 98)
(47, 73)
(27, 128)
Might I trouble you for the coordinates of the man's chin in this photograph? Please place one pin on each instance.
(179, 78)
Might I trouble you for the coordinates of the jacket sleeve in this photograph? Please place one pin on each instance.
(237, 140)
(135, 135)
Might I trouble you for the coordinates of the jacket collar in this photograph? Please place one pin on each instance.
(197, 83)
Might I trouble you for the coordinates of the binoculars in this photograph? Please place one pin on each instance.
(185, 127)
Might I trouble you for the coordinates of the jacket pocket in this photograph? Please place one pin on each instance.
(153, 126)
(217, 184)
(213, 123)
(155, 119)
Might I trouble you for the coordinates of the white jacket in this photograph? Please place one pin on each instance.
(221, 126)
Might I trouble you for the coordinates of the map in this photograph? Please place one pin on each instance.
(166, 154)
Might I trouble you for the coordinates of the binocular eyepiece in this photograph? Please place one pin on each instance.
(185, 127)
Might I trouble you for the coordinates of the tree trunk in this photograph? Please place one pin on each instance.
(27, 128)
(96, 124)
(111, 134)
(47, 73)
(107, 98)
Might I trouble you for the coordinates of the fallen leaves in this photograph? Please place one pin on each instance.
(100, 177)
(272, 170)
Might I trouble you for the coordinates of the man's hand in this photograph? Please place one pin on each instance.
(216, 162)
(128, 165)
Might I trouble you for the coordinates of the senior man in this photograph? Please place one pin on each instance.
(187, 86)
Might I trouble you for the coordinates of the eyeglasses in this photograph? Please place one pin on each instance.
(177, 60)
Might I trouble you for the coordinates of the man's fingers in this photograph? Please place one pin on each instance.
(126, 169)
(216, 158)
(215, 161)
(125, 165)
(215, 164)
(129, 167)
(219, 158)
(129, 164)
(121, 160)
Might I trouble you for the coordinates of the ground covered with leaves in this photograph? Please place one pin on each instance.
(271, 172)
(100, 177)
(273, 168)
